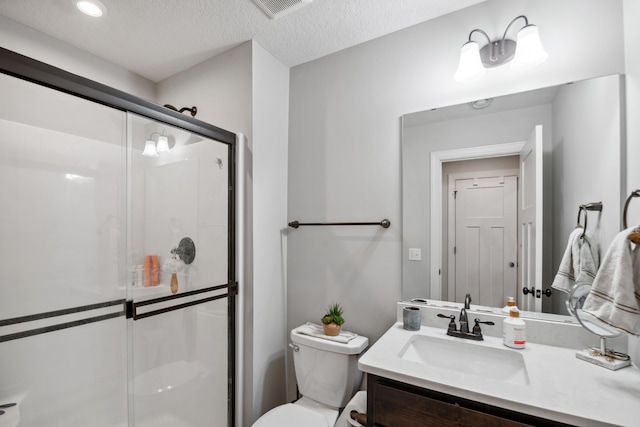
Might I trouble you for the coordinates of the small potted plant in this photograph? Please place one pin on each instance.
(332, 321)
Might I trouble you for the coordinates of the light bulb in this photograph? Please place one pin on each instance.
(150, 149)
(529, 50)
(163, 144)
(92, 8)
(470, 66)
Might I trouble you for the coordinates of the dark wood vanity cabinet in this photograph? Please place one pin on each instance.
(395, 404)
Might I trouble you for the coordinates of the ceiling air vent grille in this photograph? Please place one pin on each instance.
(277, 8)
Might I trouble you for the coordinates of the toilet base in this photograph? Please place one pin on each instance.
(304, 412)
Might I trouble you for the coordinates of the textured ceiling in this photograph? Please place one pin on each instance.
(158, 38)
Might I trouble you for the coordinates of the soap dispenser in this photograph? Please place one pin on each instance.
(511, 302)
(514, 330)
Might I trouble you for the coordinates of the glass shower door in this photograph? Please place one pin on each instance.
(117, 286)
(63, 337)
(181, 288)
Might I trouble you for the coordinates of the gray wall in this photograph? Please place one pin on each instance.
(344, 139)
(586, 163)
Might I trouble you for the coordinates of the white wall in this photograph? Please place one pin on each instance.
(36, 45)
(220, 87)
(270, 145)
(344, 145)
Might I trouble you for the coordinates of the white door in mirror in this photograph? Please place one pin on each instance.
(530, 221)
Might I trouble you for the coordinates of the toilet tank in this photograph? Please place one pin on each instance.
(327, 371)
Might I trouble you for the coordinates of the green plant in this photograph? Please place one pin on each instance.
(333, 315)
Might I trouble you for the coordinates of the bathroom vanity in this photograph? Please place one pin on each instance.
(423, 378)
(394, 403)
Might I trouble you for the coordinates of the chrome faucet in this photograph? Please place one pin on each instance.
(467, 302)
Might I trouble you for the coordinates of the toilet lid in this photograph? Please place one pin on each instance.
(291, 415)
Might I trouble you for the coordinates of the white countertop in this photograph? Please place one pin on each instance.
(561, 388)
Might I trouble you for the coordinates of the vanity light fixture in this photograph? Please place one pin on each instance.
(163, 144)
(93, 8)
(152, 149)
(524, 53)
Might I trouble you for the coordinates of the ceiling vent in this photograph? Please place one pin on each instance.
(278, 8)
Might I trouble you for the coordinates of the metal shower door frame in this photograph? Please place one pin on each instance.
(25, 68)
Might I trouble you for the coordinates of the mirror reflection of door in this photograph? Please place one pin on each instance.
(531, 221)
(483, 235)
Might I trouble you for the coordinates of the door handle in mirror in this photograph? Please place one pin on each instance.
(512, 264)
(528, 291)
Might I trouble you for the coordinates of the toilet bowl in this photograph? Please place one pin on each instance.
(304, 412)
(327, 375)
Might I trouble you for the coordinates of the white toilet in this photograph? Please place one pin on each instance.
(327, 375)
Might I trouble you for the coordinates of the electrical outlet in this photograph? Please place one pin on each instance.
(415, 254)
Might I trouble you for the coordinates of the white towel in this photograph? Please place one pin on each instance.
(579, 263)
(615, 293)
(317, 331)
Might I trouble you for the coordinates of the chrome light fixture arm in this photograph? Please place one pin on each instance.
(504, 36)
(489, 43)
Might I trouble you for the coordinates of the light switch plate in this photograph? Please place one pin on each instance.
(415, 254)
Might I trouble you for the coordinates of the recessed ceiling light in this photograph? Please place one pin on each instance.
(91, 7)
(481, 103)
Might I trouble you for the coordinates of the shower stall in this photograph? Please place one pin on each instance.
(117, 257)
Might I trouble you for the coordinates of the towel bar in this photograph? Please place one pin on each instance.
(385, 223)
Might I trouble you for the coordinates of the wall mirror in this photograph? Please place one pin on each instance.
(465, 165)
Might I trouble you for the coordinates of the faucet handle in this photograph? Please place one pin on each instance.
(452, 322)
(476, 327)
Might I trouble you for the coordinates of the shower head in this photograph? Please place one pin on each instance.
(193, 110)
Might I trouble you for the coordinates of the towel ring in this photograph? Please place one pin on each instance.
(595, 206)
(580, 210)
(635, 193)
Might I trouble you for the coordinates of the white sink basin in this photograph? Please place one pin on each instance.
(500, 364)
